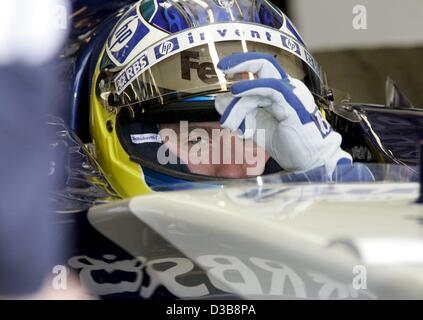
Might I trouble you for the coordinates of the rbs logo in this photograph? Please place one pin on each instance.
(205, 70)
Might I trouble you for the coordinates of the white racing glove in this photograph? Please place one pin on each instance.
(296, 134)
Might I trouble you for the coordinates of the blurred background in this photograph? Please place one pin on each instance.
(358, 61)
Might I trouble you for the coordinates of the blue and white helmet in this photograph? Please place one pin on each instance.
(161, 61)
(165, 50)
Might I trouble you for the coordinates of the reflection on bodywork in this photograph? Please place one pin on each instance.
(84, 185)
(281, 280)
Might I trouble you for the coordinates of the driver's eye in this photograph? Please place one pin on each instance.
(195, 140)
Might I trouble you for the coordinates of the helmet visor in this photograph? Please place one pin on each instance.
(185, 64)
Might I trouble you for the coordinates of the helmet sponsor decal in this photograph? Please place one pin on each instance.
(293, 30)
(125, 37)
(145, 138)
(207, 35)
(166, 48)
(290, 44)
(311, 61)
(123, 34)
(132, 71)
(205, 70)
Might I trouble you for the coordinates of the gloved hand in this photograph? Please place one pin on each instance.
(296, 134)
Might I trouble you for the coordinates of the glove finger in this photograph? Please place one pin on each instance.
(281, 93)
(262, 64)
(248, 125)
(237, 111)
(265, 126)
(304, 94)
(222, 101)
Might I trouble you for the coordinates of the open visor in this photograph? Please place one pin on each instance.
(184, 65)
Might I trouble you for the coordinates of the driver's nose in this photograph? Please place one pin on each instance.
(232, 164)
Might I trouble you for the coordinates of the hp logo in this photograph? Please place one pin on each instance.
(123, 34)
(291, 44)
(165, 48)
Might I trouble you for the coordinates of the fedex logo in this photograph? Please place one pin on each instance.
(190, 60)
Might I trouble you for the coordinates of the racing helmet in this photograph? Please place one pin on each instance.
(158, 66)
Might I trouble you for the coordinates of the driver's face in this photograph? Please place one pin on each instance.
(209, 150)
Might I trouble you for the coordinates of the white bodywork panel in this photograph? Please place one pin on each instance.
(328, 229)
